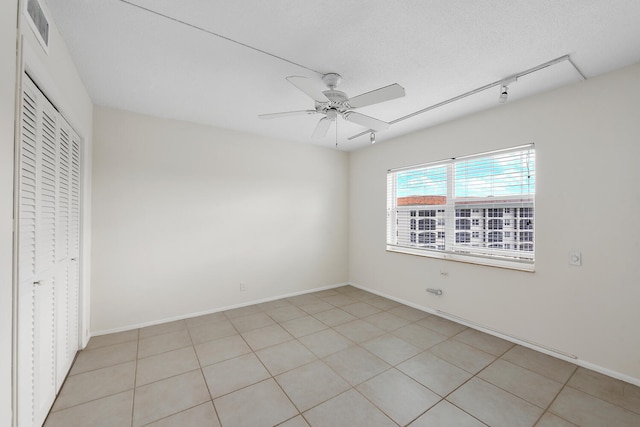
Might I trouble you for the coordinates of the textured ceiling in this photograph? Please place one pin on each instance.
(137, 60)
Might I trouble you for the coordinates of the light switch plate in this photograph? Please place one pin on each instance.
(575, 258)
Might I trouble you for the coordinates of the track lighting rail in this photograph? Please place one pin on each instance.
(480, 89)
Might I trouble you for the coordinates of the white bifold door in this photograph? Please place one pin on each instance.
(48, 239)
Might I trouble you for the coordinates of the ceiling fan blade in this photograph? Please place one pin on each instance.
(366, 121)
(383, 94)
(306, 86)
(322, 128)
(286, 114)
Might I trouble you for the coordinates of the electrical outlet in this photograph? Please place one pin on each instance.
(243, 287)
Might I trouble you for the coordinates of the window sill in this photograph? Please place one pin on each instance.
(469, 259)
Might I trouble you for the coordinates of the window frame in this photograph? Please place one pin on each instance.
(469, 252)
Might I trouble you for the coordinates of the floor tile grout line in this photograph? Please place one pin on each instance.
(283, 390)
(461, 409)
(422, 413)
(593, 395)
(445, 397)
(201, 373)
(165, 352)
(544, 409)
(91, 400)
(176, 413)
(440, 398)
(539, 373)
(507, 391)
(135, 381)
(564, 385)
(94, 370)
(548, 409)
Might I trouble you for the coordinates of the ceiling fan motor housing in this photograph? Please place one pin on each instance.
(337, 98)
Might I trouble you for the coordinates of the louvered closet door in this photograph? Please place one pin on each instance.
(48, 236)
(28, 193)
(67, 233)
(73, 324)
(36, 241)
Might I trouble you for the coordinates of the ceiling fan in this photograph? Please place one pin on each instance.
(332, 102)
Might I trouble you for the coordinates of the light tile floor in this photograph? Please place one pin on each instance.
(340, 357)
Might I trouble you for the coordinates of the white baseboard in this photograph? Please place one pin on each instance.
(571, 358)
(215, 310)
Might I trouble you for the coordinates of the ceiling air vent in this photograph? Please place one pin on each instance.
(39, 22)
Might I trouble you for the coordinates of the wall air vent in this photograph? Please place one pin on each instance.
(39, 22)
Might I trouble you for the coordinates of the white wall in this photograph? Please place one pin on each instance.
(182, 213)
(587, 149)
(8, 27)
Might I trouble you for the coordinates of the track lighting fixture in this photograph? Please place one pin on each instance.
(504, 93)
(504, 88)
(372, 137)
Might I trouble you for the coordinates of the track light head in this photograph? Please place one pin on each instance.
(372, 137)
(504, 93)
(504, 88)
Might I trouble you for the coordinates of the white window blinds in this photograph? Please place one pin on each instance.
(477, 208)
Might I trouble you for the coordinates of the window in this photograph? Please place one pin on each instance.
(526, 224)
(427, 224)
(463, 224)
(462, 237)
(494, 236)
(526, 236)
(443, 200)
(424, 238)
(495, 224)
(526, 212)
